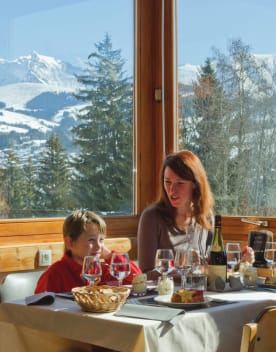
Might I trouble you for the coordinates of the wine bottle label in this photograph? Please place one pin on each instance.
(216, 248)
(216, 270)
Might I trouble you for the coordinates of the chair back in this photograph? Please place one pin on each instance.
(260, 335)
(18, 285)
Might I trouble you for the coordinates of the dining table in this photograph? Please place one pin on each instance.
(143, 324)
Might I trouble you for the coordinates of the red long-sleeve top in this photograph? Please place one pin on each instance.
(65, 274)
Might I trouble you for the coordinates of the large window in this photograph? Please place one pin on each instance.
(147, 48)
(66, 107)
(227, 99)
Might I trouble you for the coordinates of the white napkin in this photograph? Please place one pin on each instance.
(149, 312)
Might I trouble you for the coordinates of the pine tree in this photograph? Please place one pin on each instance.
(13, 184)
(30, 181)
(4, 208)
(210, 138)
(53, 192)
(103, 176)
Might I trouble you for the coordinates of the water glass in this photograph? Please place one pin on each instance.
(120, 266)
(91, 268)
(196, 281)
(164, 261)
(270, 256)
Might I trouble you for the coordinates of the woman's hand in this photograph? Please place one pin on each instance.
(248, 255)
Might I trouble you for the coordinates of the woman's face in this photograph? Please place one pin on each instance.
(179, 191)
(90, 242)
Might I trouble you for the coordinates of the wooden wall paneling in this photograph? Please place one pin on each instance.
(235, 229)
(25, 257)
(21, 240)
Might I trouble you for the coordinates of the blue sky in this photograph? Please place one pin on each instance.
(207, 23)
(69, 30)
(66, 32)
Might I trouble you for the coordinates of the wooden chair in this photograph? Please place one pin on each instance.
(18, 285)
(260, 335)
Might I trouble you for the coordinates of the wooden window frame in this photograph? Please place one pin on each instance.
(149, 143)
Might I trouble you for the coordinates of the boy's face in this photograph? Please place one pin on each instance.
(90, 242)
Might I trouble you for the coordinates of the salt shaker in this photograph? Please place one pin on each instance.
(165, 285)
(250, 276)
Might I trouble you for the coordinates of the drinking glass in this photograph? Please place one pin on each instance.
(270, 255)
(196, 255)
(91, 268)
(120, 266)
(164, 261)
(182, 264)
(233, 252)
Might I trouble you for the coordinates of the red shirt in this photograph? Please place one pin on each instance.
(65, 274)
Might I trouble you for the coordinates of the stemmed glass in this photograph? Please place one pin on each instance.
(164, 261)
(270, 255)
(120, 266)
(91, 268)
(233, 252)
(182, 263)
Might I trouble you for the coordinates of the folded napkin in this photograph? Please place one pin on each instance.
(235, 283)
(217, 284)
(149, 312)
(45, 298)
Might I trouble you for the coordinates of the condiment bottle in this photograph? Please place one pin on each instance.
(165, 285)
(250, 275)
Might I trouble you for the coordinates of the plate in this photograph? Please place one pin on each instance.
(166, 301)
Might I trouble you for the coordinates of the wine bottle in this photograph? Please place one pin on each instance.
(218, 259)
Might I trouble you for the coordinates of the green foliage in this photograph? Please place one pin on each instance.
(103, 179)
(12, 186)
(53, 183)
(230, 127)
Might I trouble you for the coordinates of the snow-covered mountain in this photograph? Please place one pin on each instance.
(35, 99)
(36, 68)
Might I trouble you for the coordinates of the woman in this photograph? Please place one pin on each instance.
(83, 234)
(185, 200)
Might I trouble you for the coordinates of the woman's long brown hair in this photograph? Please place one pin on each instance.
(189, 167)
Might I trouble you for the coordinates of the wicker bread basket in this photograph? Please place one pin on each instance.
(100, 299)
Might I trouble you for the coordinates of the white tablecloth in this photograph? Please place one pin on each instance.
(63, 324)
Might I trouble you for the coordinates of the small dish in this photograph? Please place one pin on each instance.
(166, 300)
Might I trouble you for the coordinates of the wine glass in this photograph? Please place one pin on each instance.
(233, 252)
(164, 261)
(182, 264)
(91, 268)
(270, 255)
(119, 266)
(196, 256)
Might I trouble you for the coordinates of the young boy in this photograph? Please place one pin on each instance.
(83, 234)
